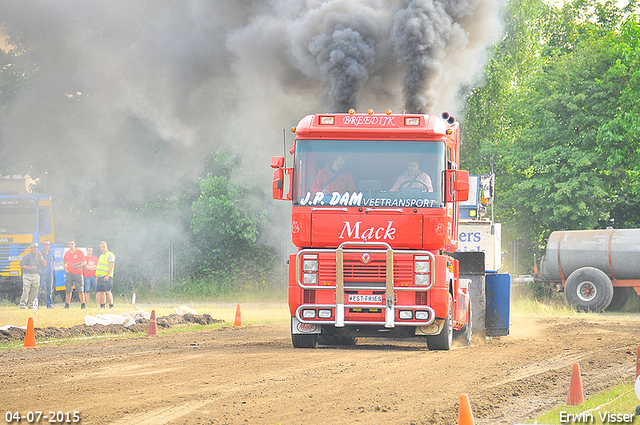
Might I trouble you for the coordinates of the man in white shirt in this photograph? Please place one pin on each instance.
(413, 178)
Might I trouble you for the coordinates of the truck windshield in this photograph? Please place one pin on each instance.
(18, 216)
(384, 173)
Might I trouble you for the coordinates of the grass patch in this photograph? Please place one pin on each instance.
(604, 408)
(525, 303)
(252, 314)
(210, 289)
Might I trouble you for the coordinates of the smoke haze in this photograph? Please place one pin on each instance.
(121, 100)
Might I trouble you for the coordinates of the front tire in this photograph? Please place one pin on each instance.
(589, 289)
(444, 339)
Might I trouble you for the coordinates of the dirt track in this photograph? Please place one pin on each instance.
(252, 375)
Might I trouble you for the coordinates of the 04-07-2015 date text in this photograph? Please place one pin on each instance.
(38, 416)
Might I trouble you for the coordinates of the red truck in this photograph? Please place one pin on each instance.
(374, 216)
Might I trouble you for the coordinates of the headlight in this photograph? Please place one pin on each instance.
(308, 314)
(422, 267)
(422, 280)
(310, 265)
(324, 314)
(422, 315)
(405, 315)
(310, 278)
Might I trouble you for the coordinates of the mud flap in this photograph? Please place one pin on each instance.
(298, 327)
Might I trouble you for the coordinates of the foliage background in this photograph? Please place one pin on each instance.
(559, 116)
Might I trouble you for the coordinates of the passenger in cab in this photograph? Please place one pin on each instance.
(334, 178)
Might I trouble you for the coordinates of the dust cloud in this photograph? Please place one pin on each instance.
(119, 101)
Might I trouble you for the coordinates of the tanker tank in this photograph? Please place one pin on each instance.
(597, 268)
(614, 251)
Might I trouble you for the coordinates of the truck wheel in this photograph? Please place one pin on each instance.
(304, 340)
(588, 289)
(620, 298)
(464, 335)
(444, 339)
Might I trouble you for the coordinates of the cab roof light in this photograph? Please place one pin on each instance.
(411, 121)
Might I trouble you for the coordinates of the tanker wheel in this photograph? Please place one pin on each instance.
(444, 339)
(620, 298)
(464, 334)
(304, 340)
(588, 289)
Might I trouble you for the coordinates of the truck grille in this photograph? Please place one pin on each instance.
(421, 298)
(356, 273)
(13, 250)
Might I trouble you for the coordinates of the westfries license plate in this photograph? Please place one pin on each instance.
(355, 298)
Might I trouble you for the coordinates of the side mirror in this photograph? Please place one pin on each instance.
(277, 162)
(457, 185)
(278, 182)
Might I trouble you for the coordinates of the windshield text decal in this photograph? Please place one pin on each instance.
(357, 199)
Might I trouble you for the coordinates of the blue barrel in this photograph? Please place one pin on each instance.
(498, 292)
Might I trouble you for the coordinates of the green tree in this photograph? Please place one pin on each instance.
(228, 219)
(529, 25)
(559, 114)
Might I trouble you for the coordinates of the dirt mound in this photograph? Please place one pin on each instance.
(142, 325)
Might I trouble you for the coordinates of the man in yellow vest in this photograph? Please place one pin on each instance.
(104, 275)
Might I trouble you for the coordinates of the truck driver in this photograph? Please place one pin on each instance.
(413, 178)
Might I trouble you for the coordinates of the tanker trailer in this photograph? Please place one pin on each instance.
(597, 268)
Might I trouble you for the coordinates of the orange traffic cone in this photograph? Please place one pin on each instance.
(153, 328)
(30, 336)
(238, 319)
(465, 415)
(575, 395)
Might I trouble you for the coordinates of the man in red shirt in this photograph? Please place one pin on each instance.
(90, 274)
(73, 261)
(334, 178)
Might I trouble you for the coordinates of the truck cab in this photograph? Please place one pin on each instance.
(24, 219)
(374, 214)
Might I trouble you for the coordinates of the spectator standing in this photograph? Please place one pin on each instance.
(47, 271)
(90, 275)
(104, 275)
(30, 264)
(73, 261)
